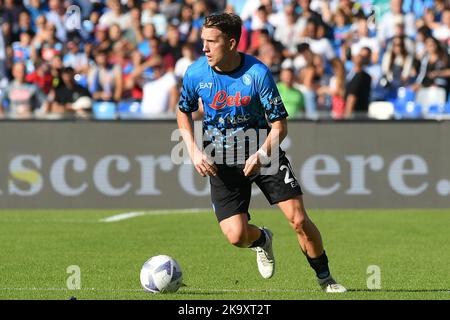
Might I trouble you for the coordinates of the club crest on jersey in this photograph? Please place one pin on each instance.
(222, 100)
(247, 79)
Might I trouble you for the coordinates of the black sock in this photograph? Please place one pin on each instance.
(320, 265)
(261, 241)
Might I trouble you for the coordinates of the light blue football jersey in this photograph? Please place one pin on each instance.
(234, 102)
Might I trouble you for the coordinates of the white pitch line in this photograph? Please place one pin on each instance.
(129, 215)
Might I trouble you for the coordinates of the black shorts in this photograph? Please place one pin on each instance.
(231, 190)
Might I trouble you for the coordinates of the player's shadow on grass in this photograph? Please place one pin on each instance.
(399, 290)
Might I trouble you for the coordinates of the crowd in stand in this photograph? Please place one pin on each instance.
(335, 58)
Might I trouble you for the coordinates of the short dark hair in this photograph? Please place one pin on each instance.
(229, 23)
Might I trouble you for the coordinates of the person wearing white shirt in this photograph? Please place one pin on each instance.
(364, 41)
(386, 28)
(161, 94)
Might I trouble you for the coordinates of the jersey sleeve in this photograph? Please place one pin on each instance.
(271, 99)
(188, 98)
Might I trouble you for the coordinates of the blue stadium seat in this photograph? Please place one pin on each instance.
(435, 109)
(129, 109)
(404, 105)
(408, 110)
(104, 110)
(447, 108)
(406, 94)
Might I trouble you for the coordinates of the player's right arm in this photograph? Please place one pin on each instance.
(188, 104)
(202, 163)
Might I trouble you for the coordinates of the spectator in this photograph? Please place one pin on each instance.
(161, 94)
(105, 80)
(336, 90)
(185, 61)
(442, 31)
(350, 10)
(134, 34)
(56, 17)
(71, 97)
(35, 9)
(200, 12)
(22, 50)
(185, 25)
(269, 55)
(399, 31)
(310, 70)
(11, 12)
(170, 9)
(357, 91)
(387, 25)
(287, 34)
(41, 76)
(423, 33)
(148, 33)
(101, 38)
(259, 25)
(172, 45)
(363, 39)
(47, 45)
(292, 98)
(429, 19)
(397, 67)
(134, 77)
(24, 23)
(319, 45)
(22, 99)
(115, 14)
(432, 82)
(151, 14)
(342, 32)
(76, 57)
(114, 33)
(306, 15)
(435, 60)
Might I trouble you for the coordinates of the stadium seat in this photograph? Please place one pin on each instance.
(431, 96)
(406, 94)
(129, 109)
(435, 109)
(408, 110)
(447, 107)
(381, 110)
(104, 110)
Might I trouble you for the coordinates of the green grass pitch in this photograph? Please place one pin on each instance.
(411, 248)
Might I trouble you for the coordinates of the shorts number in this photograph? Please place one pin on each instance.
(287, 178)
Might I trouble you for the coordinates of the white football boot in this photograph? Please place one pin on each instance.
(329, 285)
(265, 257)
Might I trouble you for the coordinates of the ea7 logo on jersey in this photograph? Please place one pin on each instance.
(222, 100)
(205, 85)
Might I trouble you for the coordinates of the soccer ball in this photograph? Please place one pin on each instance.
(161, 274)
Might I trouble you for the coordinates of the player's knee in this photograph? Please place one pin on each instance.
(298, 222)
(238, 239)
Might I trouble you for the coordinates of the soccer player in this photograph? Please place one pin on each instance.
(239, 95)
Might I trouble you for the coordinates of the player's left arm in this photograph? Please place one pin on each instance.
(262, 156)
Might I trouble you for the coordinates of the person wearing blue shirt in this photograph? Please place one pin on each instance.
(241, 102)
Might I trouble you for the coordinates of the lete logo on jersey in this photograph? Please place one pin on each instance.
(222, 100)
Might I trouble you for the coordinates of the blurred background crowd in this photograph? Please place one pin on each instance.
(340, 59)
